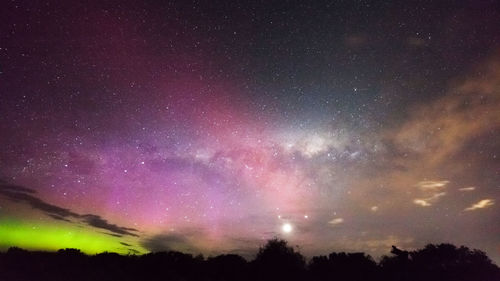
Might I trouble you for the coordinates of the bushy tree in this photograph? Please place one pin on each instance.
(274, 261)
(343, 266)
(227, 268)
(277, 261)
(440, 262)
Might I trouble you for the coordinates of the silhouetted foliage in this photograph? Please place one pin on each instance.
(343, 266)
(275, 261)
(227, 267)
(439, 262)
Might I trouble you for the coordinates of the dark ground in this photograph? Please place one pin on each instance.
(275, 261)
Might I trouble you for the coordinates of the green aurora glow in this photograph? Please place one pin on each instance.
(34, 235)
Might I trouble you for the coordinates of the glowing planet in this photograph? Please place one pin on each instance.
(287, 228)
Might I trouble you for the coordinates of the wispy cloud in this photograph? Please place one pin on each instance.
(185, 241)
(336, 221)
(470, 188)
(421, 202)
(480, 205)
(432, 185)
(26, 195)
(98, 222)
(426, 202)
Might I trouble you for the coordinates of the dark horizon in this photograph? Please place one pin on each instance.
(249, 257)
(275, 260)
(212, 127)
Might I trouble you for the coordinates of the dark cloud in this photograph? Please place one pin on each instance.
(184, 242)
(133, 251)
(26, 195)
(17, 188)
(98, 222)
(113, 234)
(56, 217)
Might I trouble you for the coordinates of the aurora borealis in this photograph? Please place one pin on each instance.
(211, 127)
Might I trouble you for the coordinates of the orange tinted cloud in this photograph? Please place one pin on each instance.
(480, 205)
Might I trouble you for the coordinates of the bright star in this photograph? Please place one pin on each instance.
(287, 228)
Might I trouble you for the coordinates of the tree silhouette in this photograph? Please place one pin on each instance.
(440, 262)
(277, 261)
(274, 261)
(343, 266)
(227, 268)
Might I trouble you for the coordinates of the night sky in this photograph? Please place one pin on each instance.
(210, 127)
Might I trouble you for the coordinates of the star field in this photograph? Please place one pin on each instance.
(211, 127)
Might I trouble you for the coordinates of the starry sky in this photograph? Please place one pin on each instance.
(210, 126)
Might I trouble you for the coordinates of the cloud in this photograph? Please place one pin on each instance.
(170, 242)
(133, 251)
(430, 188)
(426, 202)
(470, 188)
(432, 185)
(56, 217)
(15, 188)
(436, 131)
(433, 139)
(26, 195)
(421, 202)
(98, 222)
(336, 221)
(480, 205)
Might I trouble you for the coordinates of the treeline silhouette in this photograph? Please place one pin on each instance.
(275, 261)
